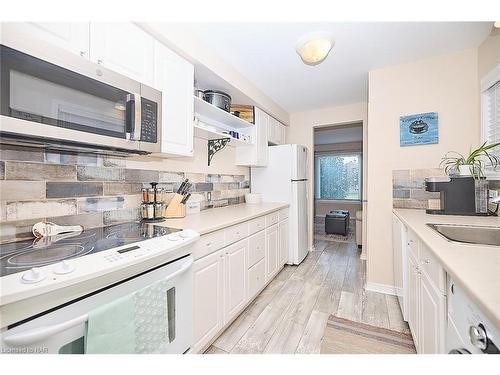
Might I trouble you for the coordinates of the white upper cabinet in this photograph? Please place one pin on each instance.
(124, 48)
(174, 76)
(276, 132)
(71, 36)
(256, 155)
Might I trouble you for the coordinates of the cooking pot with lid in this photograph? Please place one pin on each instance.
(218, 98)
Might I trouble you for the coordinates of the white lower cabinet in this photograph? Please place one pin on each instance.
(229, 278)
(284, 241)
(208, 295)
(426, 294)
(432, 318)
(413, 299)
(256, 277)
(235, 279)
(272, 251)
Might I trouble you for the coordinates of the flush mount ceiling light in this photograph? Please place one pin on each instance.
(313, 48)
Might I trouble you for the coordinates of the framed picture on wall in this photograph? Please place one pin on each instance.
(419, 129)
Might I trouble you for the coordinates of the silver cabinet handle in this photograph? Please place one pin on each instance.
(99, 61)
(83, 53)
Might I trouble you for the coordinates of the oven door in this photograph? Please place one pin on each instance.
(63, 330)
(40, 99)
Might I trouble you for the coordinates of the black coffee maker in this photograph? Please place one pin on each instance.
(459, 195)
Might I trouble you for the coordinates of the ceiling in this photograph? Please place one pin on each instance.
(265, 54)
(338, 134)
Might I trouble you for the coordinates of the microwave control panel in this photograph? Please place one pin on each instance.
(149, 115)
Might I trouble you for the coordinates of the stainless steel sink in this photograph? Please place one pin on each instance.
(471, 234)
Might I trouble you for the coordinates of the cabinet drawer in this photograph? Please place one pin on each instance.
(256, 248)
(432, 268)
(208, 243)
(272, 218)
(283, 214)
(256, 225)
(256, 278)
(413, 243)
(236, 233)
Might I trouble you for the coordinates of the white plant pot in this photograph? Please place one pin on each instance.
(465, 170)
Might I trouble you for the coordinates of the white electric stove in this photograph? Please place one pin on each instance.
(49, 286)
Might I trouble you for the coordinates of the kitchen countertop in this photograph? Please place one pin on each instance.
(217, 218)
(475, 267)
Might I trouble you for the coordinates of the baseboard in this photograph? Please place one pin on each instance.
(381, 288)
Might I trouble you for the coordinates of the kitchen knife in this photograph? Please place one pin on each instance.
(183, 185)
(184, 200)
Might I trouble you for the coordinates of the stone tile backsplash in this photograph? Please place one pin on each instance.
(90, 190)
(408, 187)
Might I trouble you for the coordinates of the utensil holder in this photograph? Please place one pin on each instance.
(175, 208)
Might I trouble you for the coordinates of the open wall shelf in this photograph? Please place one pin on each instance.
(213, 115)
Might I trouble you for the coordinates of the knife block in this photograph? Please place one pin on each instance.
(175, 208)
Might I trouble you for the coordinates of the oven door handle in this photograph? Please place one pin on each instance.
(42, 333)
(38, 334)
(133, 117)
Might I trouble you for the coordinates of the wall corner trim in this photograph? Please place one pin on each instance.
(381, 288)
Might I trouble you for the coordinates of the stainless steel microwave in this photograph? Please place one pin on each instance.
(63, 101)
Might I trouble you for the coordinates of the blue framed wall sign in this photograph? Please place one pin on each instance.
(419, 129)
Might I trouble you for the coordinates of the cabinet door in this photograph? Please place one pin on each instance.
(174, 76)
(432, 318)
(124, 48)
(71, 36)
(235, 279)
(208, 297)
(272, 251)
(272, 131)
(413, 300)
(262, 137)
(284, 238)
(256, 155)
(283, 134)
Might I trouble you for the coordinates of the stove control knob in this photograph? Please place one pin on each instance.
(173, 237)
(478, 336)
(188, 233)
(33, 276)
(63, 268)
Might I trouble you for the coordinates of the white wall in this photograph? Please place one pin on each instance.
(181, 40)
(222, 163)
(489, 53)
(301, 131)
(445, 84)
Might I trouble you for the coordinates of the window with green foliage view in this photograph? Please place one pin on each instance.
(338, 177)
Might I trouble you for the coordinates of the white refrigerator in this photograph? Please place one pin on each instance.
(285, 180)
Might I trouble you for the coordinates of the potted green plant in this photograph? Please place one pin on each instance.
(472, 165)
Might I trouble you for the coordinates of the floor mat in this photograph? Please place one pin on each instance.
(319, 234)
(343, 336)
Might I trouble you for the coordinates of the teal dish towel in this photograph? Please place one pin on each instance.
(133, 324)
(110, 328)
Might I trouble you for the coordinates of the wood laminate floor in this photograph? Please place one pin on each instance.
(290, 314)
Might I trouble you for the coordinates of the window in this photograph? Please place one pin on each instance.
(338, 176)
(490, 103)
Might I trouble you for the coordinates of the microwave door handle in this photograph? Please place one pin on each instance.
(42, 333)
(133, 117)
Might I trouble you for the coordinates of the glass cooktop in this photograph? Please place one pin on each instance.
(23, 255)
